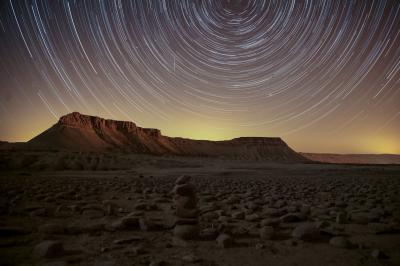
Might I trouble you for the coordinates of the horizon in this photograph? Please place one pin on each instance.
(324, 77)
(188, 137)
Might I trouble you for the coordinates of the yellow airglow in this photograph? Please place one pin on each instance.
(385, 146)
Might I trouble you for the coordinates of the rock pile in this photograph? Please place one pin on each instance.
(186, 223)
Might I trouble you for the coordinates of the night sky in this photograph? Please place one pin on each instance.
(323, 75)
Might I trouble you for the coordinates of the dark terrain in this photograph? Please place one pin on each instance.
(91, 191)
(248, 212)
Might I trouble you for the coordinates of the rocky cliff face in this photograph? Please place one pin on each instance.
(77, 132)
(77, 120)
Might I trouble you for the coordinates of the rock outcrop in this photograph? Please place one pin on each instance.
(77, 132)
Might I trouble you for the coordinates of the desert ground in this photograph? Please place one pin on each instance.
(118, 209)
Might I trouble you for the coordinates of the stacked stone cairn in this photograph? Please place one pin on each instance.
(186, 213)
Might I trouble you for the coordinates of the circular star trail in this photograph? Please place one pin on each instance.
(324, 75)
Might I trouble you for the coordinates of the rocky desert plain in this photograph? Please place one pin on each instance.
(91, 191)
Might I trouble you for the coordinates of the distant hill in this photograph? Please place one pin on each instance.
(353, 158)
(78, 132)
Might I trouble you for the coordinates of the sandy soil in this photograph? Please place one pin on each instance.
(275, 214)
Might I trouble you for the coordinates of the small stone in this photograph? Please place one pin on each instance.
(186, 202)
(291, 242)
(186, 213)
(267, 232)
(128, 240)
(93, 214)
(49, 249)
(104, 263)
(375, 214)
(361, 246)
(63, 211)
(291, 218)
(274, 212)
(240, 231)
(186, 231)
(157, 262)
(73, 229)
(322, 224)
(260, 246)
(125, 223)
(279, 204)
(179, 242)
(146, 225)
(307, 232)
(178, 220)
(379, 228)
(225, 241)
(185, 190)
(138, 250)
(140, 206)
(92, 228)
(182, 180)
(252, 217)
(378, 254)
(51, 229)
(341, 218)
(42, 212)
(340, 242)
(360, 217)
(238, 215)
(270, 222)
(191, 258)
(209, 234)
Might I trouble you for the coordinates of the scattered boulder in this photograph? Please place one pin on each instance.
(51, 228)
(267, 232)
(93, 213)
(128, 240)
(340, 242)
(380, 228)
(49, 249)
(341, 218)
(191, 258)
(225, 241)
(186, 231)
(209, 234)
(306, 232)
(292, 218)
(378, 254)
(360, 217)
(239, 215)
(270, 222)
(252, 217)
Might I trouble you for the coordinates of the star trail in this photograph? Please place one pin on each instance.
(323, 75)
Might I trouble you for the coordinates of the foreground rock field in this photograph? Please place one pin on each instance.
(314, 215)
